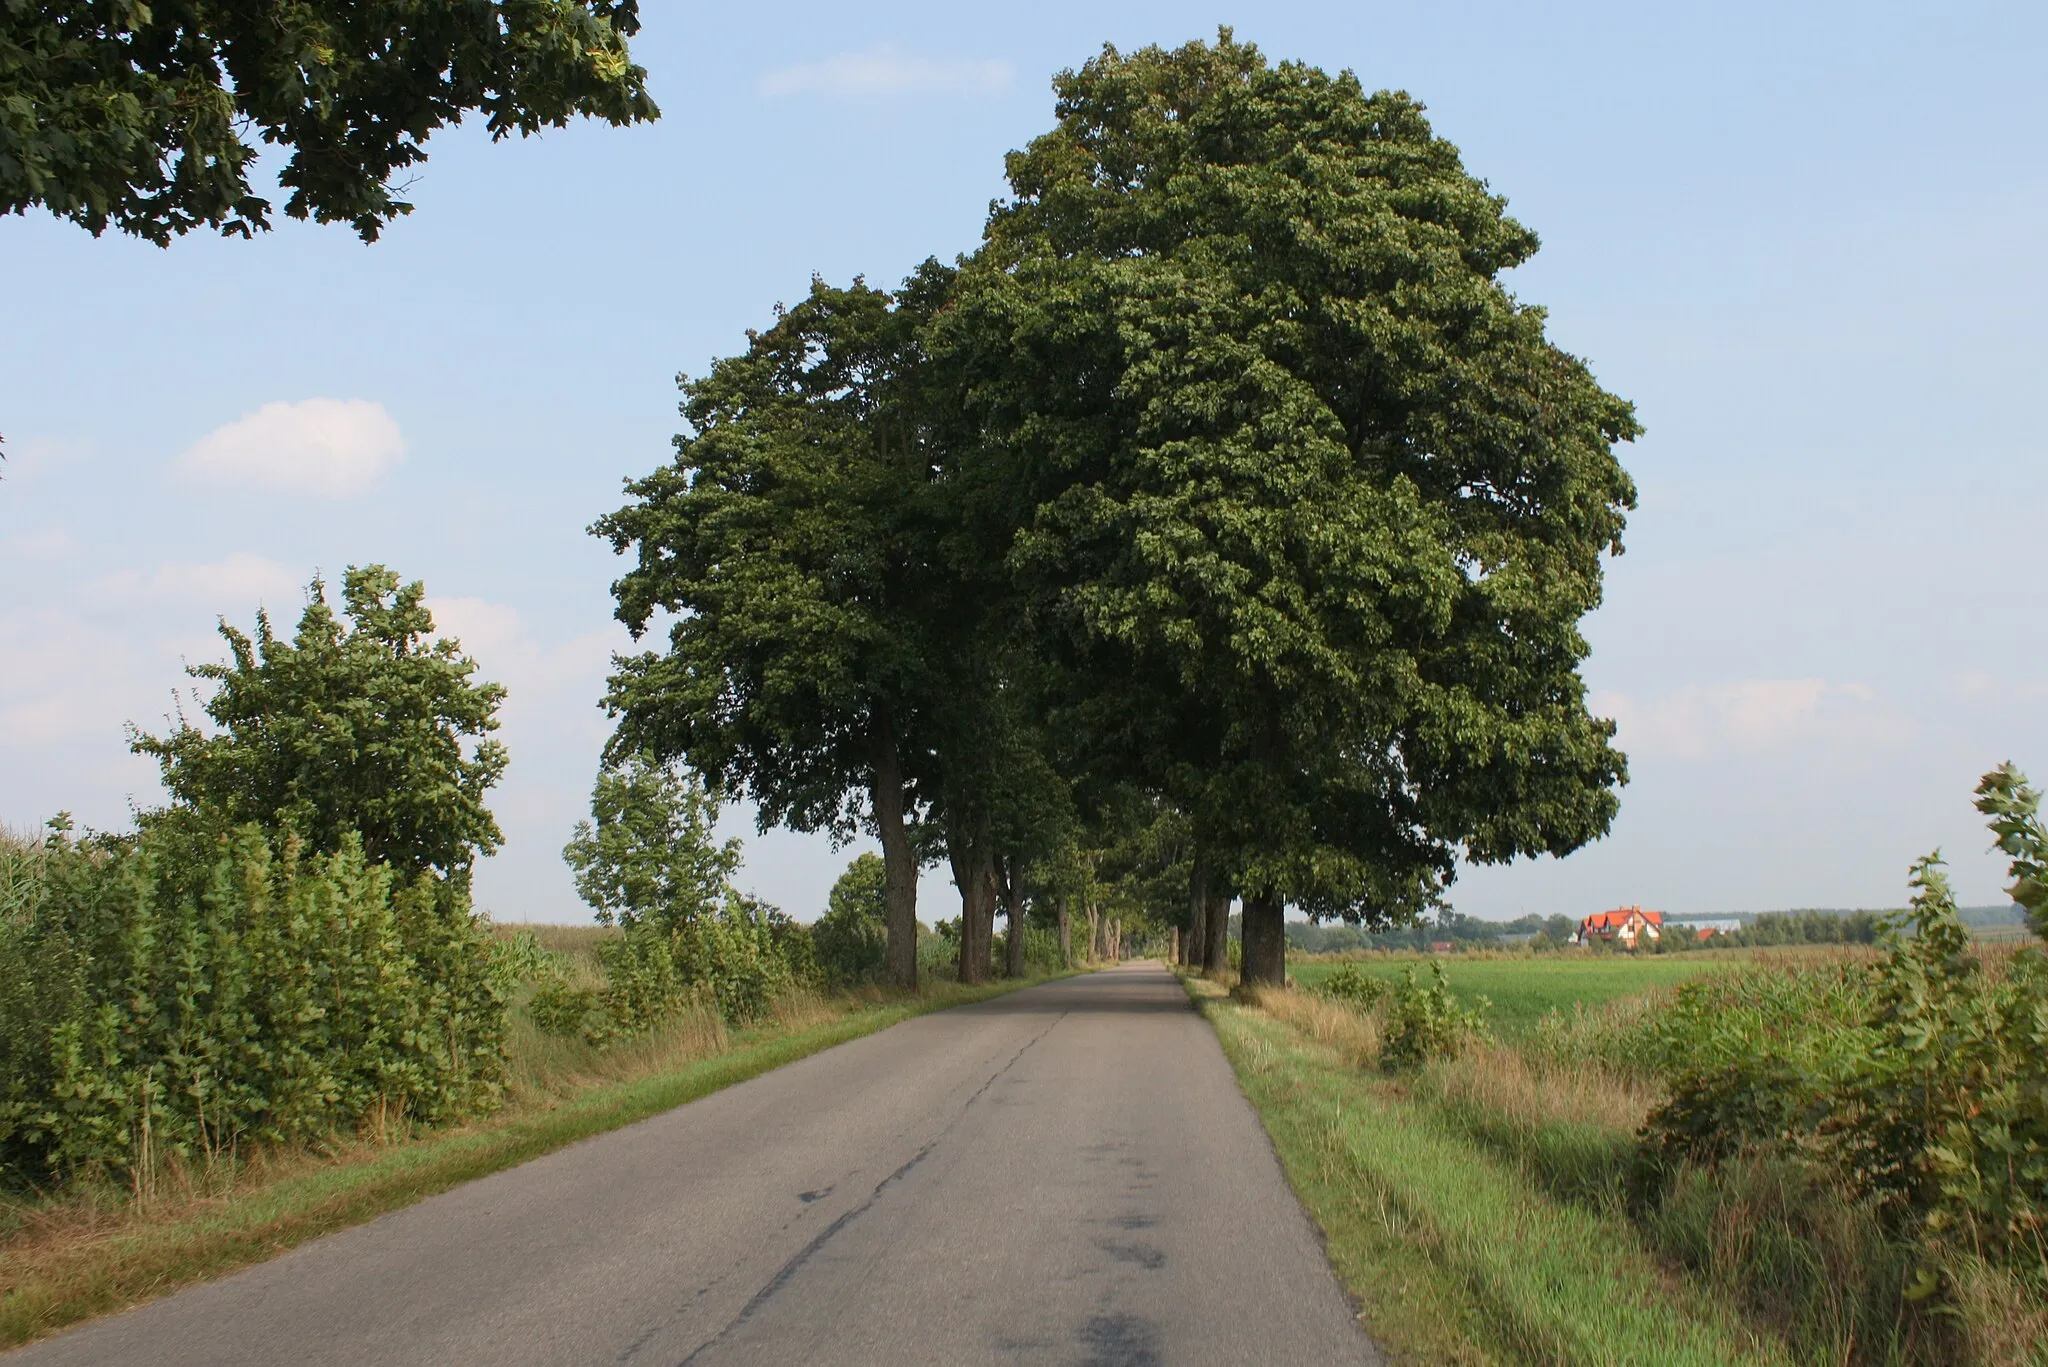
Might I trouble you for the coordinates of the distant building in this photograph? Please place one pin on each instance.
(1624, 926)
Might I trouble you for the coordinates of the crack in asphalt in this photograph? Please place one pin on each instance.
(788, 1270)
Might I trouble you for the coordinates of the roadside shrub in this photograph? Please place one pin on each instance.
(649, 864)
(1919, 1082)
(1946, 1120)
(1357, 989)
(364, 724)
(561, 1009)
(1801, 1251)
(290, 996)
(1041, 949)
(1424, 1021)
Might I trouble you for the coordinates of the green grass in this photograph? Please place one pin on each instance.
(1524, 989)
(56, 1273)
(1451, 1253)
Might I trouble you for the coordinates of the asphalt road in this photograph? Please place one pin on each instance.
(1066, 1175)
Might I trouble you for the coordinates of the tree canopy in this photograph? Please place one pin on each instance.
(1226, 477)
(791, 544)
(140, 116)
(359, 724)
(1308, 508)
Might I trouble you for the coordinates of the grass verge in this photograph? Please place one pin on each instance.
(1451, 1253)
(58, 1268)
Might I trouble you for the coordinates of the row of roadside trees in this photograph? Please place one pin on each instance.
(1223, 495)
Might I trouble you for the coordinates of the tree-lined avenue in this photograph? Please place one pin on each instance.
(1064, 1175)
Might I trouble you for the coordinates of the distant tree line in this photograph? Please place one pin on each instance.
(1448, 927)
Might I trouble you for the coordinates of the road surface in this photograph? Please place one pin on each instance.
(1066, 1175)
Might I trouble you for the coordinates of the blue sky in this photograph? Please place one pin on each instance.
(1807, 241)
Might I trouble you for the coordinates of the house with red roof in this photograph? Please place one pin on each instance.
(1624, 926)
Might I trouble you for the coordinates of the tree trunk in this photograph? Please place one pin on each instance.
(1065, 910)
(1094, 933)
(1216, 936)
(1173, 954)
(1265, 941)
(1116, 940)
(1198, 914)
(974, 874)
(1013, 918)
(899, 864)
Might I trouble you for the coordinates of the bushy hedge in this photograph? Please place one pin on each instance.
(168, 997)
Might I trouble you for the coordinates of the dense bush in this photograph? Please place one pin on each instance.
(1041, 949)
(155, 1013)
(1920, 1082)
(364, 724)
(1752, 1058)
(287, 949)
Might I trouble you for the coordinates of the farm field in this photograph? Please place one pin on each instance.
(1523, 990)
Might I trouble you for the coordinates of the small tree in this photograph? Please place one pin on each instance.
(360, 723)
(852, 937)
(650, 863)
(651, 855)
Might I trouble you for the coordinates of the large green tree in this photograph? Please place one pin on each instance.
(363, 722)
(147, 117)
(1307, 507)
(792, 542)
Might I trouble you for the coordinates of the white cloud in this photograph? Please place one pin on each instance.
(1982, 687)
(1699, 721)
(50, 543)
(242, 580)
(482, 627)
(888, 70)
(506, 652)
(65, 677)
(31, 456)
(329, 447)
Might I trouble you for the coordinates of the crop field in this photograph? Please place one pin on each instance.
(1523, 990)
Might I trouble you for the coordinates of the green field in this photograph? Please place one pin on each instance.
(1524, 990)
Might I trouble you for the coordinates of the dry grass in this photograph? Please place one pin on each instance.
(578, 942)
(1533, 1093)
(2003, 1320)
(1353, 1035)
